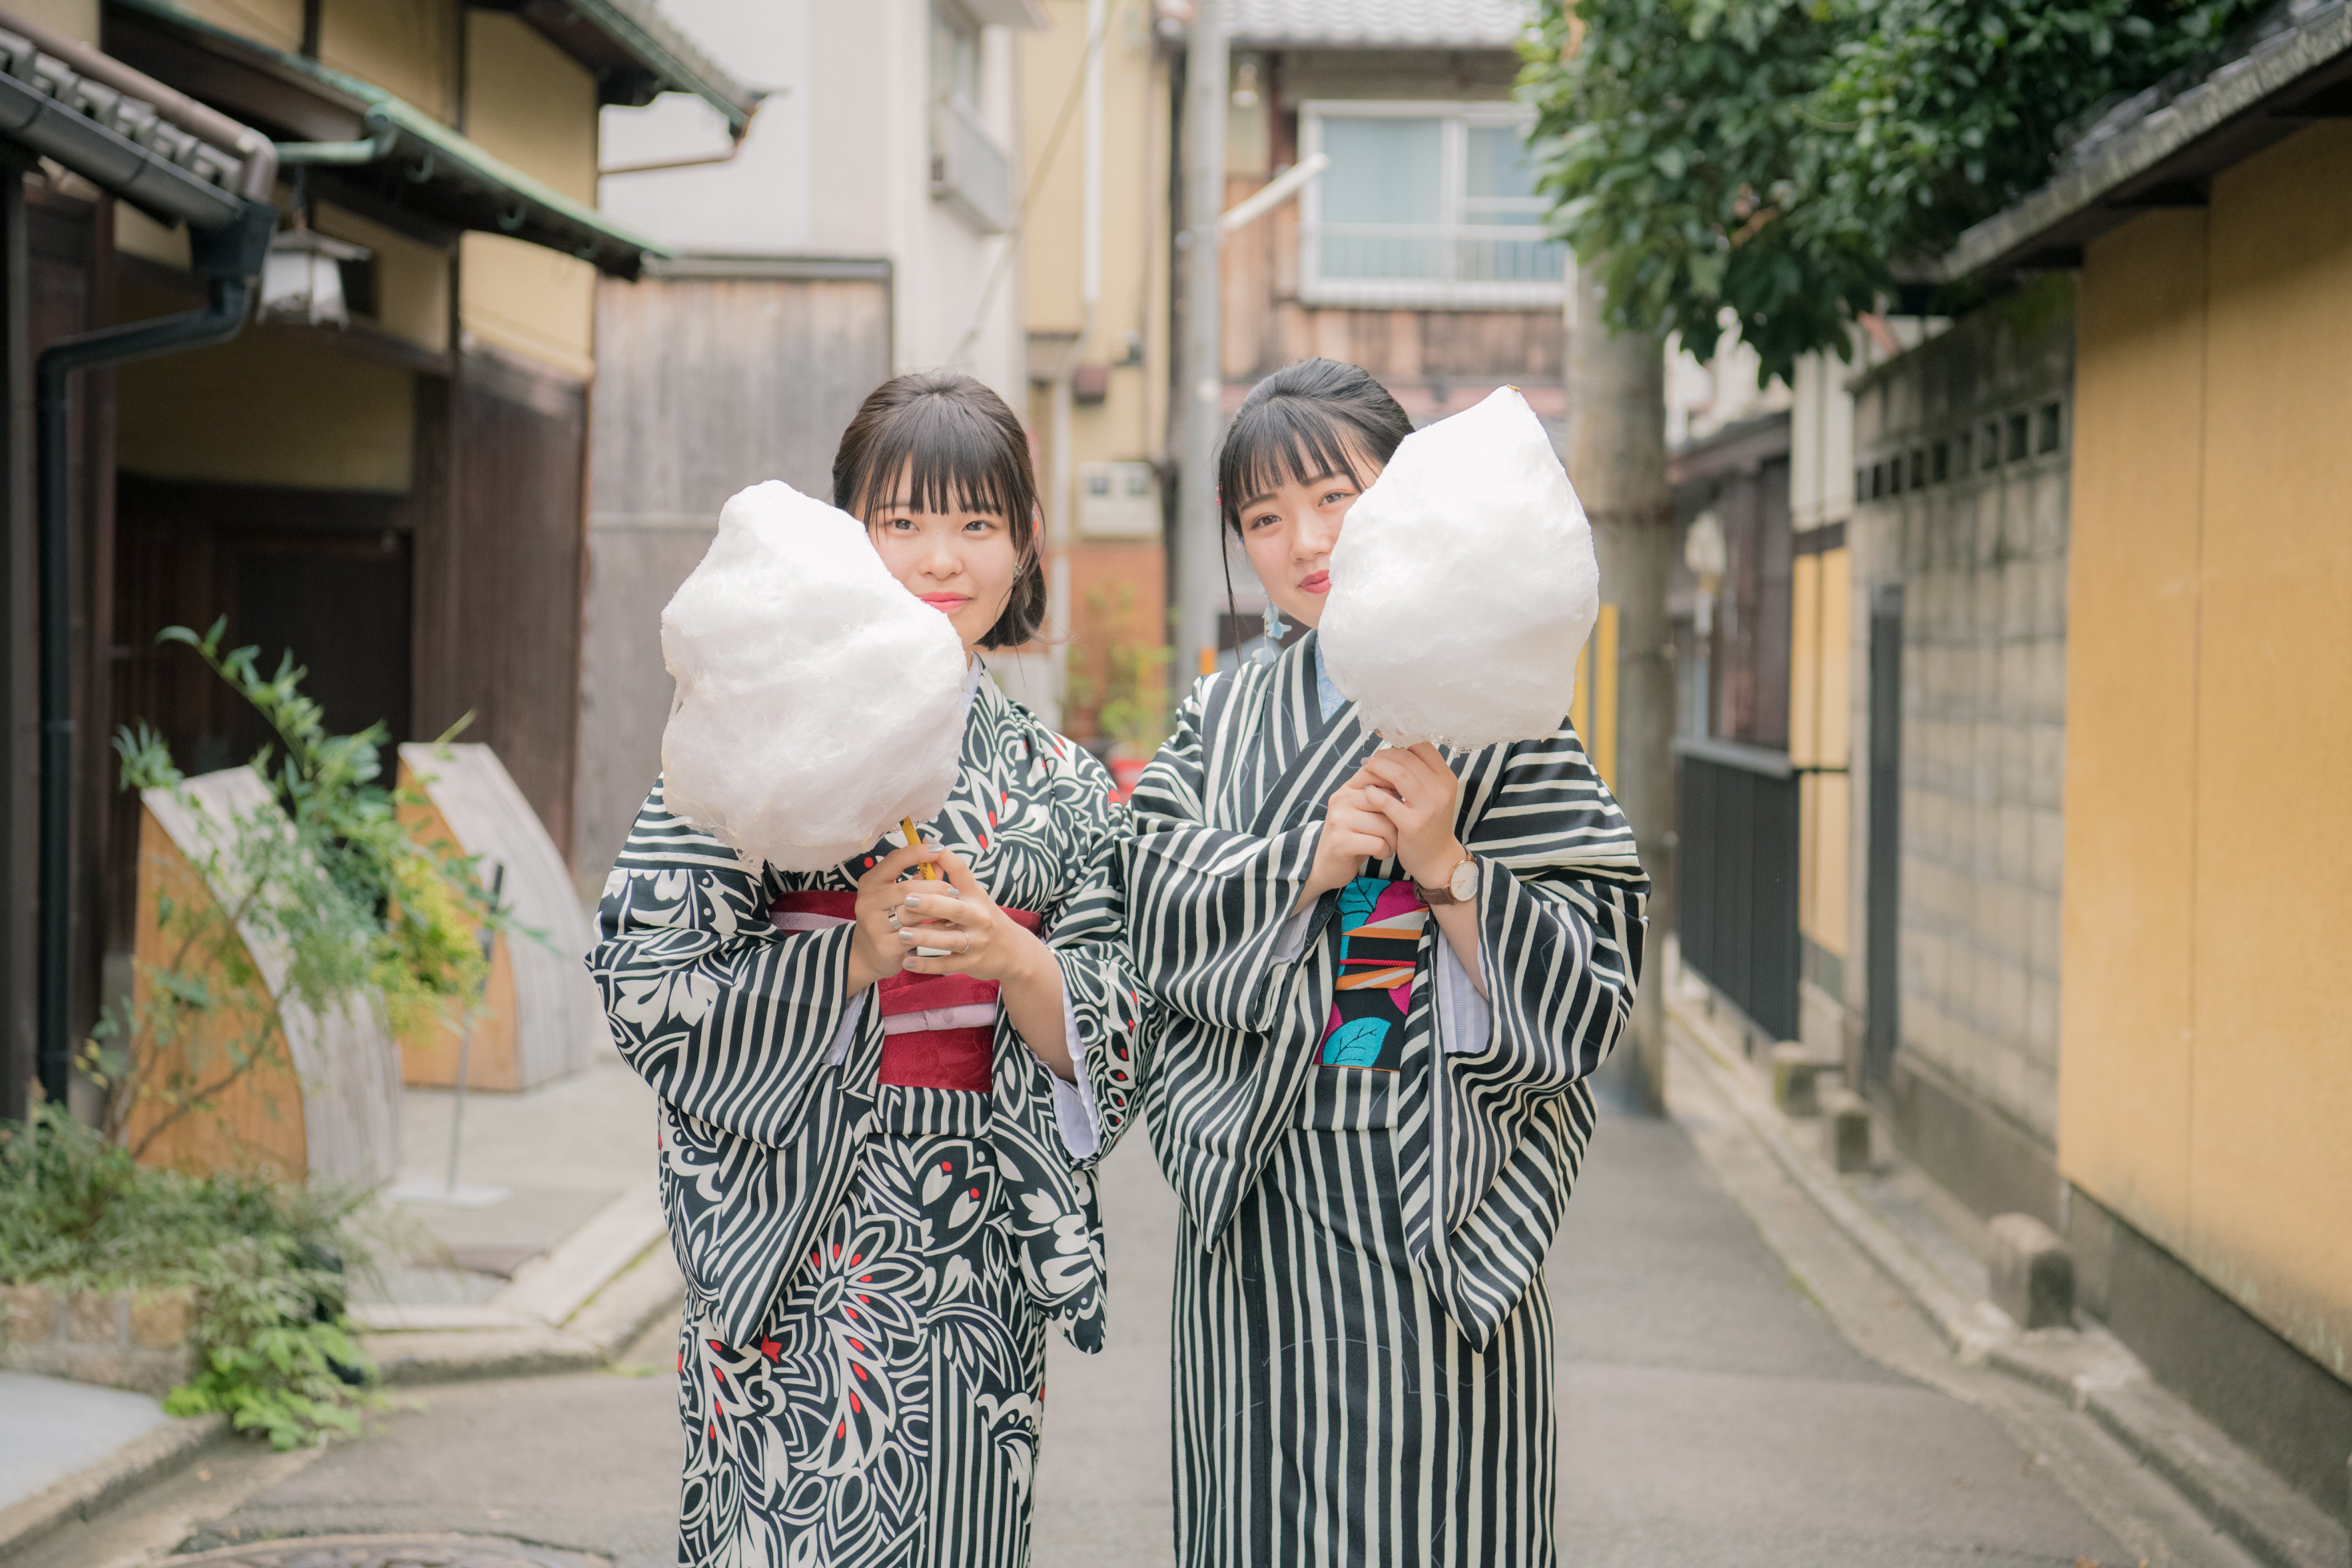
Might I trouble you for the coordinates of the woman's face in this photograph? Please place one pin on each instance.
(1288, 532)
(961, 564)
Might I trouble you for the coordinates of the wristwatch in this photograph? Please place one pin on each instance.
(1461, 887)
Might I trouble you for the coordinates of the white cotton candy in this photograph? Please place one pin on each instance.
(1463, 585)
(818, 702)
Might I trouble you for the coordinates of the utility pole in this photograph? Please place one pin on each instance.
(1200, 382)
(1617, 457)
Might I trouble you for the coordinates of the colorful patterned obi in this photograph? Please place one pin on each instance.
(938, 1031)
(1381, 925)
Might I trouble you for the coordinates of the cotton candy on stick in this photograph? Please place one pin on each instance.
(1463, 585)
(819, 703)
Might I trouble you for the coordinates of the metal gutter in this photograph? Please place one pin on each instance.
(258, 172)
(2263, 95)
(398, 131)
(163, 171)
(147, 180)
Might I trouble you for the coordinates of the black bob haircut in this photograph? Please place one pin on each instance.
(1298, 424)
(955, 445)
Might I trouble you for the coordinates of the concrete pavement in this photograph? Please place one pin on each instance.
(1713, 1412)
(49, 1428)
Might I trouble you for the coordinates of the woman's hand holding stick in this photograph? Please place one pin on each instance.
(958, 922)
(1416, 792)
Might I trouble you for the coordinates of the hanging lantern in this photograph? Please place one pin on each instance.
(302, 282)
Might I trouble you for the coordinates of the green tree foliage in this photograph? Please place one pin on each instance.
(1790, 162)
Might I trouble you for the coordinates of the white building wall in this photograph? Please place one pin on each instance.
(838, 164)
(1820, 443)
(1702, 396)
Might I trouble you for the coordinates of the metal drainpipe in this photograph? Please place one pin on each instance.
(229, 259)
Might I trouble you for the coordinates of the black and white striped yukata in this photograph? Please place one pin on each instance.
(871, 1258)
(1363, 1368)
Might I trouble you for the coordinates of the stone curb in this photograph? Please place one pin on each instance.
(2088, 1368)
(95, 1487)
(631, 1302)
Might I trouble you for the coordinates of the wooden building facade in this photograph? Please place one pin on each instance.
(1418, 253)
(396, 499)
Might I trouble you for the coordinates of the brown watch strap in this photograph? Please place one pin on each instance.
(1436, 898)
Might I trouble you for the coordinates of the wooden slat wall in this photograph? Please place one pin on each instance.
(500, 592)
(704, 385)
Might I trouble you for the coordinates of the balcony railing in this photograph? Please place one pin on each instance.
(1736, 826)
(1490, 266)
(969, 171)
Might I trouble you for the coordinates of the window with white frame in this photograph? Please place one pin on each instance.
(1424, 205)
(971, 170)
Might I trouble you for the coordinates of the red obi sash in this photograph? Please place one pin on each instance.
(938, 1031)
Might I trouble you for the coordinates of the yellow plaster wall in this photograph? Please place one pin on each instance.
(2270, 1161)
(412, 280)
(536, 107)
(74, 19)
(405, 47)
(1828, 795)
(136, 234)
(2132, 591)
(1129, 424)
(277, 23)
(1819, 724)
(1804, 657)
(2204, 1087)
(268, 408)
(529, 301)
(529, 102)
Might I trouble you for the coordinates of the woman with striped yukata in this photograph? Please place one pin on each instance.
(874, 1163)
(1388, 976)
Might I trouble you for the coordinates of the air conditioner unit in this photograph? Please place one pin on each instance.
(1119, 500)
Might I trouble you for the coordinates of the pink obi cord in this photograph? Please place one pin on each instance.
(938, 1031)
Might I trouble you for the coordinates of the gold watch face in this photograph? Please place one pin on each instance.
(1464, 883)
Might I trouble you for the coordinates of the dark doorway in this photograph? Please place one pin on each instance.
(339, 606)
(321, 573)
(1884, 887)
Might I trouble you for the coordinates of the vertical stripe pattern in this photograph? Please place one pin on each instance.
(1363, 1342)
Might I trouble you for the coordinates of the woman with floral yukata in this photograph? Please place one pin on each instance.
(875, 1164)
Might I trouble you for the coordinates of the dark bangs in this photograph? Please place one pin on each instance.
(954, 446)
(1298, 425)
(950, 439)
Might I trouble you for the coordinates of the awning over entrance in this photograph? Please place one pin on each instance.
(396, 163)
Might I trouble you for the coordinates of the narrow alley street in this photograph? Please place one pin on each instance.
(1712, 1414)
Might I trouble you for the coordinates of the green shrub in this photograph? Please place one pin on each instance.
(266, 1262)
(366, 919)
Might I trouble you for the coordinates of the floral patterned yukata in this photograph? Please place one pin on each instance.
(876, 1208)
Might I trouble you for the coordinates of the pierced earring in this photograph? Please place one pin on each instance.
(1274, 628)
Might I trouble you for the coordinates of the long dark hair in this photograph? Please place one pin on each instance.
(1297, 423)
(959, 448)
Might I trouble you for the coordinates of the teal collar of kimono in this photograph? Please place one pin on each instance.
(974, 672)
(1326, 693)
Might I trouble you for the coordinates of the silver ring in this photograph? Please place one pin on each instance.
(893, 913)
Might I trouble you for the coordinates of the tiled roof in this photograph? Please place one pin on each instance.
(2163, 146)
(1383, 24)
